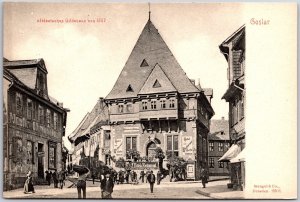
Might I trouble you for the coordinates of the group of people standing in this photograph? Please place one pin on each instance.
(56, 177)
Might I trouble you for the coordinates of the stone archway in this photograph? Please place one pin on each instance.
(150, 149)
(151, 145)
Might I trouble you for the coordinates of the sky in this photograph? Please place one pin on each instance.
(85, 59)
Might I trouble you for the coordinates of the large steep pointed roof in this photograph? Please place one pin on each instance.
(149, 47)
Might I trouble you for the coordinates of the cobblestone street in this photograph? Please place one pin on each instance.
(166, 190)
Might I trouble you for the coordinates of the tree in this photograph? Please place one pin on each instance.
(133, 154)
(177, 168)
(120, 163)
(159, 154)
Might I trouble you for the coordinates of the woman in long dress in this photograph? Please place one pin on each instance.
(28, 186)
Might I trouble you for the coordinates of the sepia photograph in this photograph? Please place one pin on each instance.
(134, 101)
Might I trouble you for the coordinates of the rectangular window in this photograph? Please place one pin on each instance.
(153, 104)
(211, 162)
(211, 146)
(172, 104)
(242, 107)
(172, 144)
(169, 143)
(48, 117)
(52, 155)
(29, 109)
(131, 145)
(55, 121)
(144, 105)
(121, 108)
(162, 104)
(30, 152)
(221, 146)
(41, 114)
(221, 164)
(19, 104)
(106, 139)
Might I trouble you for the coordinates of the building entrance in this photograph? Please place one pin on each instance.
(151, 150)
(40, 160)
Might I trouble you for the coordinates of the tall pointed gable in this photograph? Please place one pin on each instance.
(149, 47)
(157, 82)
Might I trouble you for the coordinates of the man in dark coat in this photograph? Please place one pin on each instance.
(48, 177)
(204, 176)
(107, 186)
(151, 180)
(142, 176)
(55, 180)
(158, 177)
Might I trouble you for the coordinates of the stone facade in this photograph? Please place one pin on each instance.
(35, 124)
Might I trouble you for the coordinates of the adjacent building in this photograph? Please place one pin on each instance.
(218, 145)
(34, 123)
(91, 139)
(154, 104)
(233, 49)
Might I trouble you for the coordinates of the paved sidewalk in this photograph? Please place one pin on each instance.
(219, 190)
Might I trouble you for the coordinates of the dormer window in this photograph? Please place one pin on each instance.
(144, 63)
(153, 104)
(156, 84)
(129, 89)
(144, 105)
(121, 108)
(172, 104)
(162, 104)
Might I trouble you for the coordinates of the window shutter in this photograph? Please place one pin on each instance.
(236, 54)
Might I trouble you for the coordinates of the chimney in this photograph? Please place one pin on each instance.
(101, 102)
(199, 85)
(223, 118)
(60, 104)
(193, 81)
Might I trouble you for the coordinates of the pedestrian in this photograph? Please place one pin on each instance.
(147, 174)
(93, 177)
(142, 176)
(121, 176)
(81, 183)
(158, 177)
(55, 180)
(151, 180)
(61, 179)
(127, 177)
(204, 176)
(48, 177)
(28, 186)
(107, 186)
(131, 176)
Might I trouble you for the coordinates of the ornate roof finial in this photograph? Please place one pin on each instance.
(149, 11)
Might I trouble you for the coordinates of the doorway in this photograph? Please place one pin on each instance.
(41, 160)
(151, 150)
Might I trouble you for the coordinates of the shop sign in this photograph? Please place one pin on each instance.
(187, 145)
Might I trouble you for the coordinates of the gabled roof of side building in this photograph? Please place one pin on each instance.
(219, 130)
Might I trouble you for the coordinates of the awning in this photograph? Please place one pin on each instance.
(239, 158)
(81, 139)
(232, 152)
